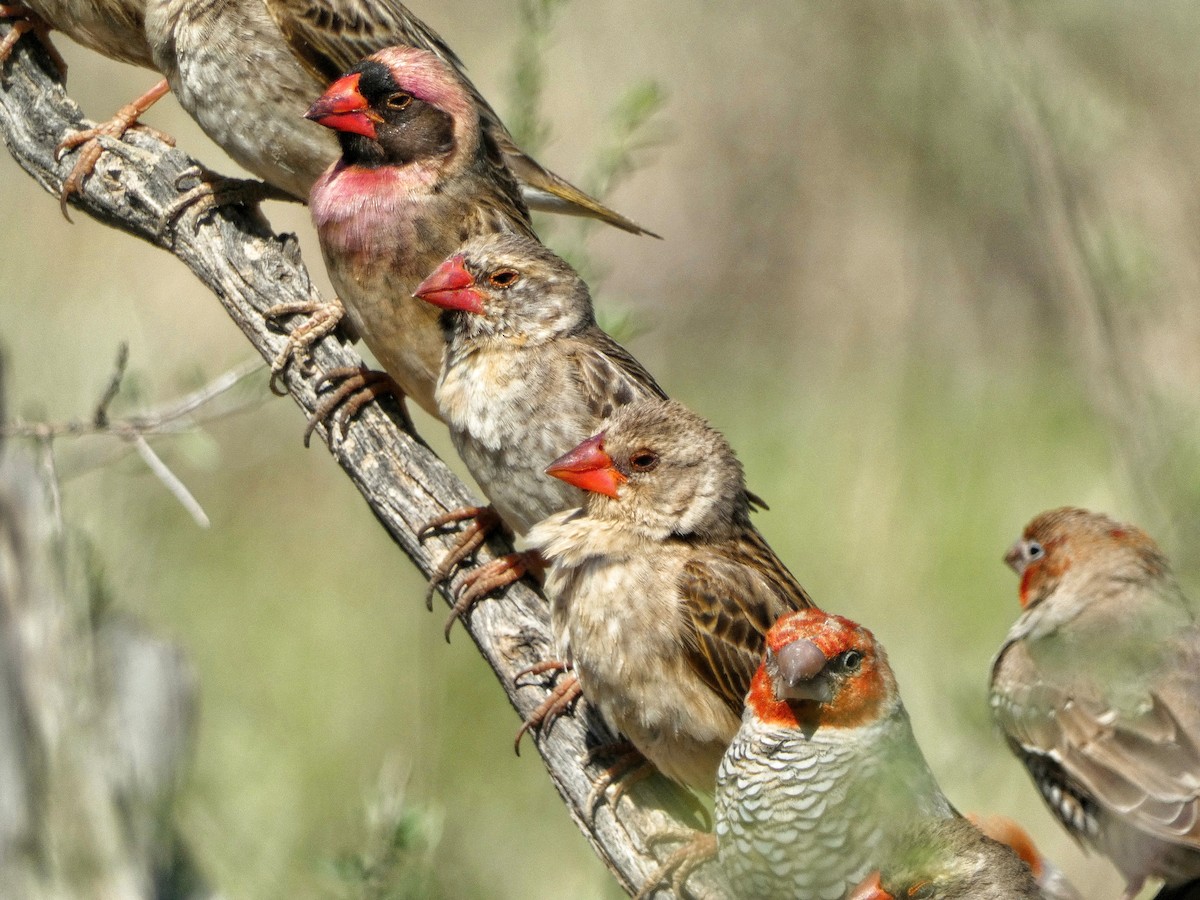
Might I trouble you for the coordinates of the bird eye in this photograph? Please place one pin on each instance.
(399, 100)
(504, 278)
(1034, 550)
(643, 461)
(852, 660)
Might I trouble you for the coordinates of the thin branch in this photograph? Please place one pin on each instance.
(171, 482)
(250, 269)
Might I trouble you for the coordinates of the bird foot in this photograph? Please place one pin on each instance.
(493, 575)
(323, 318)
(698, 848)
(628, 768)
(356, 387)
(556, 703)
(212, 191)
(88, 141)
(27, 21)
(484, 520)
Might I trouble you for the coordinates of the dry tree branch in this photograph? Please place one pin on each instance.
(249, 268)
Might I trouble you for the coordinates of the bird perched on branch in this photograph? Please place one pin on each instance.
(825, 767)
(1096, 690)
(527, 375)
(661, 589)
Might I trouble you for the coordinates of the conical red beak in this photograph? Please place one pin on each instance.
(343, 108)
(451, 286)
(588, 467)
(871, 889)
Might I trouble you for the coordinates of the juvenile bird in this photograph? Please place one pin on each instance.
(1096, 690)
(527, 375)
(825, 767)
(661, 589)
(949, 859)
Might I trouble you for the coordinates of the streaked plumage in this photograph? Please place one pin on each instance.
(395, 206)
(246, 70)
(824, 768)
(662, 593)
(529, 375)
(1096, 690)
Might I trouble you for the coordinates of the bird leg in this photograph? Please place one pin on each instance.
(357, 386)
(493, 575)
(89, 139)
(628, 768)
(557, 701)
(26, 21)
(213, 191)
(484, 520)
(323, 318)
(698, 848)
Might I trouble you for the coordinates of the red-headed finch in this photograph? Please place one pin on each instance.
(246, 70)
(417, 177)
(661, 590)
(1096, 690)
(949, 859)
(825, 767)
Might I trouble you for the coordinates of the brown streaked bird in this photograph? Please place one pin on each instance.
(246, 70)
(1096, 691)
(661, 589)
(527, 374)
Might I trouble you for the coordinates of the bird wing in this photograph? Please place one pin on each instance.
(734, 592)
(1139, 758)
(609, 374)
(331, 36)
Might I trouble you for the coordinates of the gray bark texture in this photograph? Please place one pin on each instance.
(249, 268)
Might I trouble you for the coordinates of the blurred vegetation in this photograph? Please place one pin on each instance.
(931, 266)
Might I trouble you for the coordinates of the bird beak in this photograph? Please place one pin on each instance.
(451, 286)
(1015, 557)
(871, 889)
(800, 670)
(343, 108)
(588, 467)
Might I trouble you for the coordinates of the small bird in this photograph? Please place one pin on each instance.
(949, 859)
(1096, 688)
(417, 177)
(527, 375)
(661, 589)
(824, 768)
(114, 28)
(246, 70)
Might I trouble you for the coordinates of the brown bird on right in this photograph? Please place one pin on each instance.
(949, 859)
(1097, 689)
(661, 589)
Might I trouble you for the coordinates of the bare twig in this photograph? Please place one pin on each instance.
(251, 269)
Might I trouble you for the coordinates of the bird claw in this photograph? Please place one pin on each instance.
(483, 580)
(698, 848)
(324, 317)
(484, 520)
(357, 386)
(212, 191)
(90, 142)
(26, 21)
(556, 702)
(629, 768)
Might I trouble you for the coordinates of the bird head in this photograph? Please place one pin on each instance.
(1071, 542)
(661, 470)
(396, 107)
(822, 670)
(508, 286)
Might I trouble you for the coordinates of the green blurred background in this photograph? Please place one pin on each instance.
(932, 267)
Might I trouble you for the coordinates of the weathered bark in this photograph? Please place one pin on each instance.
(250, 268)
